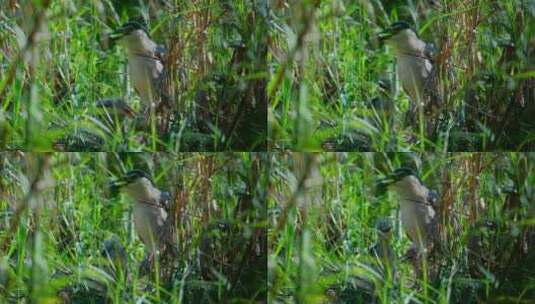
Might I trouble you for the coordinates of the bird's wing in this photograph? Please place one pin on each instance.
(165, 199)
(431, 84)
(432, 230)
(433, 199)
(161, 53)
(430, 52)
(432, 98)
(167, 236)
(161, 83)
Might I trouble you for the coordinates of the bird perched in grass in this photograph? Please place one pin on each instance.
(150, 210)
(418, 210)
(417, 203)
(416, 72)
(146, 66)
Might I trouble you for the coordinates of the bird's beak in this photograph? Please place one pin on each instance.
(385, 35)
(381, 185)
(108, 40)
(116, 185)
(117, 34)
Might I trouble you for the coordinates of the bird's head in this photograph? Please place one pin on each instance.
(131, 28)
(400, 175)
(131, 35)
(138, 185)
(398, 34)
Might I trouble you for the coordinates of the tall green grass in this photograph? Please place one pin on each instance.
(326, 63)
(323, 210)
(57, 210)
(54, 69)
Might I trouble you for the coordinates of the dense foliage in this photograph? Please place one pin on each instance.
(54, 69)
(334, 86)
(323, 209)
(57, 211)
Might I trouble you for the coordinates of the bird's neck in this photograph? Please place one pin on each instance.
(141, 53)
(146, 195)
(411, 192)
(154, 196)
(413, 46)
(145, 47)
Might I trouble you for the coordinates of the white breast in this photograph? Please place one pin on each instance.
(144, 71)
(147, 221)
(413, 72)
(416, 215)
(416, 218)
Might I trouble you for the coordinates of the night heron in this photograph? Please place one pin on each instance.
(417, 204)
(150, 207)
(416, 72)
(146, 66)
